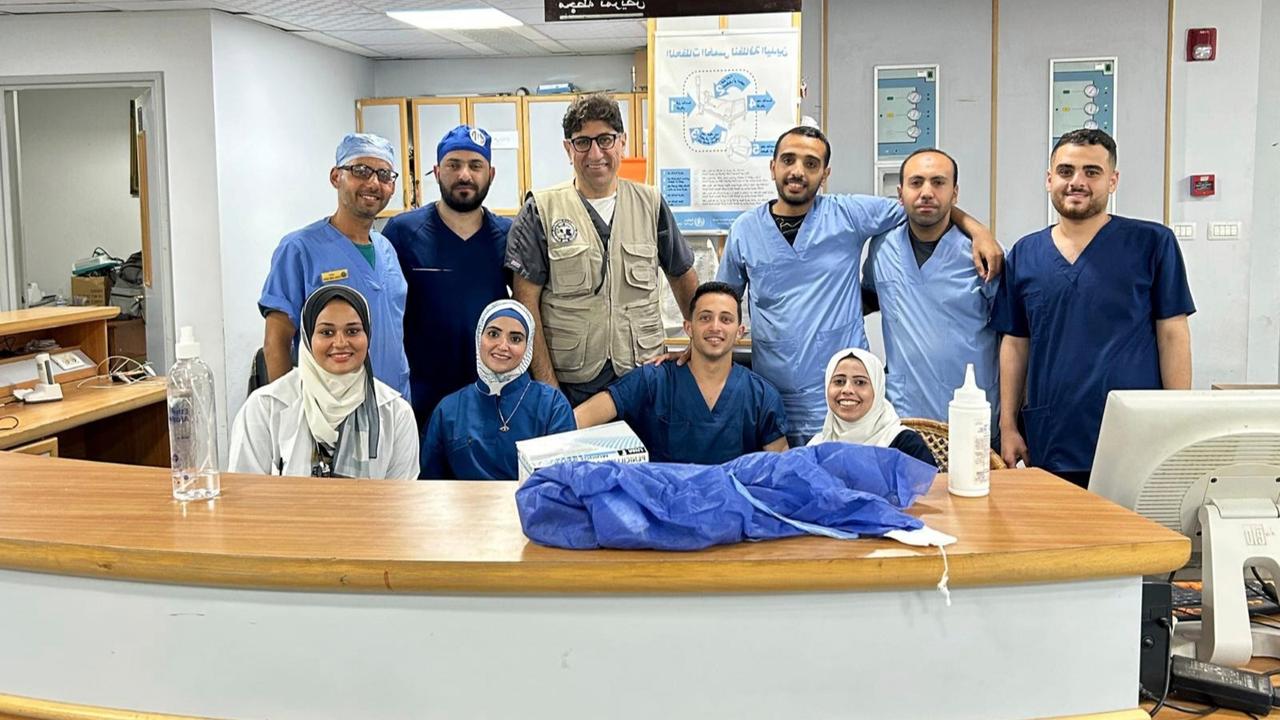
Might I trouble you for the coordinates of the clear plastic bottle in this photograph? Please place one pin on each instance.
(969, 440)
(193, 430)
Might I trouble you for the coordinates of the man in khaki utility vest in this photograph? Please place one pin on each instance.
(585, 257)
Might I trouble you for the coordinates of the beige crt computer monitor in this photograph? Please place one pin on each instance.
(1205, 463)
(1162, 452)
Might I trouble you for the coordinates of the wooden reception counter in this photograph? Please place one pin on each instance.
(293, 597)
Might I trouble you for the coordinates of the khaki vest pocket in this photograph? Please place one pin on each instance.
(640, 261)
(570, 270)
(648, 334)
(568, 351)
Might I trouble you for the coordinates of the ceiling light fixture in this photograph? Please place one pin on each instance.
(476, 19)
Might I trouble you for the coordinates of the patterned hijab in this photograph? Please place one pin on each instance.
(504, 308)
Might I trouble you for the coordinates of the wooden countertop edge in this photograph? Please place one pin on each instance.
(1132, 714)
(22, 435)
(17, 707)
(74, 316)
(715, 574)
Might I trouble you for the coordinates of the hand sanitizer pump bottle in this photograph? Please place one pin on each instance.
(969, 440)
(193, 428)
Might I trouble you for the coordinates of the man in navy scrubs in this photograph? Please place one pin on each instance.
(708, 410)
(451, 252)
(1095, 303)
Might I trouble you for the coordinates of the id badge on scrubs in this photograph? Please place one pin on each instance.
(334, 275)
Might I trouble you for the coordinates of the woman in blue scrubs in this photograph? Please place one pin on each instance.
(473, 432)
(857, 411)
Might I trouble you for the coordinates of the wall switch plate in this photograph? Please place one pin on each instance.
(1224, 231)
(1184, 231)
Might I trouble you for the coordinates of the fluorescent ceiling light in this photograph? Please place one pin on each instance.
(476, 19)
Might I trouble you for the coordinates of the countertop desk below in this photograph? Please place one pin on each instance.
(324, 598)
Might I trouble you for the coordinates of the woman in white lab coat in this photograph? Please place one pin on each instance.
(328, 417)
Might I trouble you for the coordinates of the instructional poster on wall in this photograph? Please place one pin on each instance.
(721, 98)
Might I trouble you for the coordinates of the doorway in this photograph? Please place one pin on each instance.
(84, 203)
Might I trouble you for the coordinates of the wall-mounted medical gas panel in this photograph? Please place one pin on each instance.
(906, 118)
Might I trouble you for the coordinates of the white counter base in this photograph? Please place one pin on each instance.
(1025, 651)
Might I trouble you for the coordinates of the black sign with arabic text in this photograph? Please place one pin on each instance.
(558, 10)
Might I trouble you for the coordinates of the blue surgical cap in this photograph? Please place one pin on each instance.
(465, 137)
(358, 145)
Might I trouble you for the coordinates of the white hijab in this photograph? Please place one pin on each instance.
(328, 399)
(493, 380)
(879, 426)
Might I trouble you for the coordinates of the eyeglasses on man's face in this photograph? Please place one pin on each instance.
(364, 172)
(582, 143)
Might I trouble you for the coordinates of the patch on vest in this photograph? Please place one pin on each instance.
(563, 231)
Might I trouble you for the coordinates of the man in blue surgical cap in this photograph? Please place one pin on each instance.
(451, 252)
(345, 249)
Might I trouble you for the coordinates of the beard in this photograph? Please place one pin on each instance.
(450, 196)
(797, 200)
(1096, 206)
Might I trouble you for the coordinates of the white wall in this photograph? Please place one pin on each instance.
(281, 104)
(1132, 31)
(75, 180)
(394, 78)
(1264, 245)
(1216, 129)
(865, 34)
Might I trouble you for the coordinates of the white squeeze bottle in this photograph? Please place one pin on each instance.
(193, 429)
(969, 440)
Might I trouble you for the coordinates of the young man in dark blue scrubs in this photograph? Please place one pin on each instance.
(451, 252)
(1095, 303)
(708, 410)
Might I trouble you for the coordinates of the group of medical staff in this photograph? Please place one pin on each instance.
(413, 361)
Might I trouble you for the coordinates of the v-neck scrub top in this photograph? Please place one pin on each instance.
(665, 408)
(1092, 327)
(320, 255)
(804, 298)
(451, 281)
(935, 321)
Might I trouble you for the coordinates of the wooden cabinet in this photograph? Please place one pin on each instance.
(528, 149)
(388, 117)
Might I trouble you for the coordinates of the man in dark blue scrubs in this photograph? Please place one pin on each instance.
(1095, 303)
(708, 410)
(451, 252)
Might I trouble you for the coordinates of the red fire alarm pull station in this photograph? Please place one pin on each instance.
(1202, 44)
(1202, 185)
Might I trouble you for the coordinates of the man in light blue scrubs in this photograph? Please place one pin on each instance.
(1095, 303)
(343, 248)
(800, 255)
(935, 307)
(707, 411)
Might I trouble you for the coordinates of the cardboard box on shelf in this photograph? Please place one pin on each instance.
(611, 441)
(90, 290)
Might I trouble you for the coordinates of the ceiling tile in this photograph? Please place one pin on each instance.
(594, 30)
(275, 22)
(385, 5)
(600, 46)
(286, 8)
(358, 21)
(385, 37)
(62, 7)
(336, 43)
(504, 41)
(418, 51)
(146, 5)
